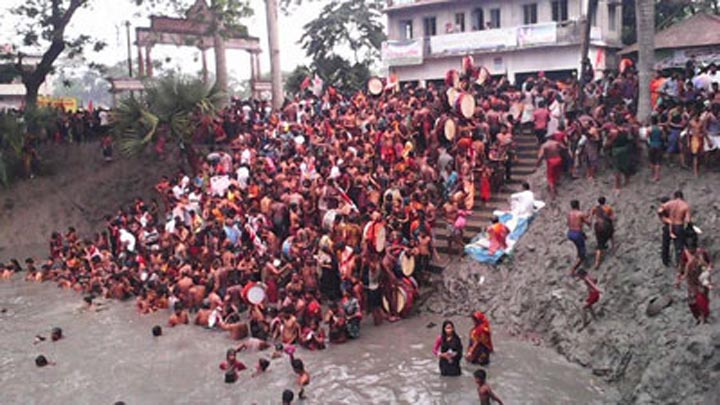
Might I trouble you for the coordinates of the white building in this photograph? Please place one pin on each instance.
(426, 38)
(12, 94)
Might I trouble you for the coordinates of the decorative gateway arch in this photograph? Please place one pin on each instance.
(194, 30)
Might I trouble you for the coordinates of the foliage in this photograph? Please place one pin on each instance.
(295, 79)
(13, 129)
(169, 106)
(351, 25)
(667, 12)
(43, 25)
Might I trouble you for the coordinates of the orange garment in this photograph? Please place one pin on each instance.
(497, 233)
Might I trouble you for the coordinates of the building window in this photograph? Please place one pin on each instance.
(429, 26)
(593, 20)
(559, 10)
(494, 18)
(406, 29)
(530, 14)
(478, 19)
(612, 17)
(460, 22)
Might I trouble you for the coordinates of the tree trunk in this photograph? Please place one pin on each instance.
(32, 87)
(585, 47)
(221, 78)
(645, 15)
(274, 43)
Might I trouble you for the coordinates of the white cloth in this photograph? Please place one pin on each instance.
(128, 240)
(522, 203)
(219, 185)
(243, 175)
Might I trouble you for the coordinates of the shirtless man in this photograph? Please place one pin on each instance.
(551, 152)
(484, 391)
(678, 213)
(289, 329)
(450, 213)
(179, 317)
(603, 224)
(576, 220)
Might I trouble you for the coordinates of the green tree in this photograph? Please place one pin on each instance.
(170, 108)
(295, 79)
(42, 25)
(352, 26)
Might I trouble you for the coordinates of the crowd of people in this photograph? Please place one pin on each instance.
(304, 220)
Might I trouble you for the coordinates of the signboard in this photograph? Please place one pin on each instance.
(537, 34)
(473, 40)
(399, 53)
(68, 104)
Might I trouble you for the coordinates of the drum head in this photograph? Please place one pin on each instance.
(452, 95)
(407, 264)
(401, 300)
(449, 129)
(375, 86)
(256, 295)
(379, 237)
(482, 77)
(467, 105)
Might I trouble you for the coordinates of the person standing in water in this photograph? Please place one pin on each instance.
(485, 393)
(576, 220)
(448, 349)
(603, 224)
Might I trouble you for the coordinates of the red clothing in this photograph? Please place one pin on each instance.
(497, 234)
(701, 307)
(485, 188)
(554, 168)
(593, 297)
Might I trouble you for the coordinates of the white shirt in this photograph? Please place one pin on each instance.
(128, 240)
(243, 175)
(522, 203)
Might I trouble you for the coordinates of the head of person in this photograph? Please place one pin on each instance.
(526, 185)
(56, 334)
(480, 376)
(601, 200)
(287, 397)
(448, 328)
(678, 195)
(263, 364)
(575, 204)
(495, 219)
(157, 330)
(41, 361)
(230, 355)
(298, 366)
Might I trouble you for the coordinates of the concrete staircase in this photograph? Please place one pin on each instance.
(526, 149)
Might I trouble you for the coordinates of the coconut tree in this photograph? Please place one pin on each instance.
(174, 107)
(645, 15)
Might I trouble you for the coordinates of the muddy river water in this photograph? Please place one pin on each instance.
(110, 355)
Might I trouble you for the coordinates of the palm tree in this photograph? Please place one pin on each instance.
(645, 15)
(170, 108)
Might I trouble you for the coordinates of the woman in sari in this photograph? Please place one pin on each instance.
(448, 348)
(480, 340)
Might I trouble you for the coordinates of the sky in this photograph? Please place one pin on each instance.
(106, 21)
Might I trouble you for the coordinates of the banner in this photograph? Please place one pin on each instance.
(473, 40)
(537, 34)
(68, 104)
(399, 53)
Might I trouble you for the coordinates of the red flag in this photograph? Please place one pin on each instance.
(305, 83)
(90, 106)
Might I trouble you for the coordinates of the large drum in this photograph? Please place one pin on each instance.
(404, 296)
(483, 75)
(447, 127)
(465, 105)
(375, 86)
(407, 264)
(452, 95)
(374, 235)
(256, 294)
